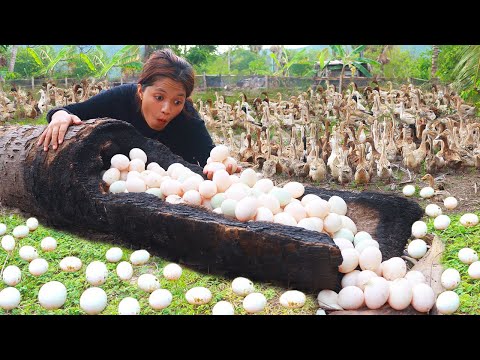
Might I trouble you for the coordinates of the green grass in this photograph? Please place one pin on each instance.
(116, 289)
(456, 237)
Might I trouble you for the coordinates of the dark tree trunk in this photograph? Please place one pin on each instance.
(64, 189)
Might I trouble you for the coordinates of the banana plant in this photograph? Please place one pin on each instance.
(47, 59)
(126, 57)
(353, 59)
(284, 64)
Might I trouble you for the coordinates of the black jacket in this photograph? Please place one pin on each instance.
(185, 135)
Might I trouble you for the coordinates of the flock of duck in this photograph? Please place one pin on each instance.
(351, 136)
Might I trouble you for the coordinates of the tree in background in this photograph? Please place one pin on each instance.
(466, 73)
(435, 51)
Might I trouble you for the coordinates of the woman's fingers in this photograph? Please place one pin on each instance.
(46, 140)
(239, 169)
(54, 140)
(61, 133)
(42, 137)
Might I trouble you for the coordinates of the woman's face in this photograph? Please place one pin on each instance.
(161, 102)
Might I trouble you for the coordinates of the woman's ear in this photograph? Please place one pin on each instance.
(139, 91)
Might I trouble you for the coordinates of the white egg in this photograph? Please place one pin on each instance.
(139, 257)
(174, 199)
(242, 286)
(20, 231)
(351, 298)
(264, 214)
(474, 270)
(208, 189)
(219, 153)
(337, 205)
(221, 178)
(172, 271)
(160, 299)
(450, 203)
(433, 210)
(297, 210)
(148, 282)
(96, 273)
(447, 302)
(400, 294)
(282, 195)
(198, 295)
(246, 209)
(223, 308)
(419, 229)
(214, 166)
(137, 153)
(228, 207)
(328, 299)
(394, 268)
(292, 299)
(318, 208)
(467, 255)
(270, 202)
(231, 161)
(450, 278)
(441, 222)
(376, 292)
(153, 166)
(417, 248)
(9, 298)
(12, 275)
(363, 278)
(350, 279)
(332, 223)
(249, 177)
(28, 253)
(344, 233)
(114, 254)
(415, 277)
(48, 244)
(32, 223)
(284, 219)
(70, 264)
(309, 197)
(370, 258)
(362, 245)
(254, 303)
(135, 184)
(264, 185)
(118, 187)
(8, 243)
(427, 192)
(52, 295)
(124, 270)
(111, 176)
(93, 300)
(469, 219)
(361, 236)
(408, 190)
(423, 297)
(295, 189)
(3, 229)
(129, 306)
(38, 267)
(320, 312)
(350, 260)
(120, 161)
(349, 224)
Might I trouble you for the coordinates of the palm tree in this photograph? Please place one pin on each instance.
(466, 72)
(435, 52)
(13, 58)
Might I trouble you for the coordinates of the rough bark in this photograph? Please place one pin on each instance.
(64, 189)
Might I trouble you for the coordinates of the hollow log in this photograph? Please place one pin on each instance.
(64, 189)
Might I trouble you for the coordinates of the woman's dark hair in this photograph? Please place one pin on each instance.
(166, 64)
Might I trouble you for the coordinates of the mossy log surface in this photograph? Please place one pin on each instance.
(64, 189)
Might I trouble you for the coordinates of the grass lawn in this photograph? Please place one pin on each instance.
(457, 237)
(116, 289)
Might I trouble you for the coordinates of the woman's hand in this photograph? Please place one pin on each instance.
(56, 130)
(229, 170)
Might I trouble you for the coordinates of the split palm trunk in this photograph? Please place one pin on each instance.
(64, 189)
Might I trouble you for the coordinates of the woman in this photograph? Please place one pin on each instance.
(158, 106)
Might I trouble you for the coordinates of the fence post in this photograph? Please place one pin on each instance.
(204, 81)
(66, 82)
(266, 81)
(33, 83)
(121, 79)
